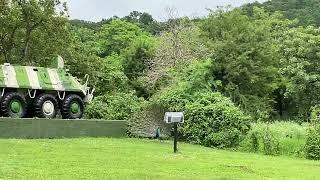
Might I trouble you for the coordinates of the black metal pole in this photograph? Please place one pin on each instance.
(175, 140)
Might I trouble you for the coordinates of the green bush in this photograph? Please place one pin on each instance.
(271, 145)
(174, 95)
(117, 106)
(278, 138)
(261, 141)
(312, 147)
(144, 123)
(252, 141)
(315, 114)
(213, 120)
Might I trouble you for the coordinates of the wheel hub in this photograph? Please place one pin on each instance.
(48, 108)
(75, 108)
(15, 106)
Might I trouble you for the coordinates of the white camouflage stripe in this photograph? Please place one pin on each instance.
(33, 77)
(29, 77)
(55, 80)
(60, 62)
(10, 73)
(79, 86)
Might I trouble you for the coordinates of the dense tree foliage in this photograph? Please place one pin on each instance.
(145, 21)
(307, 12)
(245, 56)
(300, 65)
(32, 31)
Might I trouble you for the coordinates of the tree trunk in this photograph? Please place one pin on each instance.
(281, 107)
(26, 44)
(6, 57)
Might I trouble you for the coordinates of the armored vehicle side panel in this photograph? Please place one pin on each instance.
(39, 78)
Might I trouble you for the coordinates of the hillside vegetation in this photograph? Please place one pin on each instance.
(306, 11)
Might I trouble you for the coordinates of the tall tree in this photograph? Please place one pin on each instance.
(10, 24)
(33, 29)
(116, 36)
(245, 56)
(300, 60)
(176, 48)
(144, 20)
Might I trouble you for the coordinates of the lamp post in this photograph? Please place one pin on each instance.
(175, 139)
(174, 118)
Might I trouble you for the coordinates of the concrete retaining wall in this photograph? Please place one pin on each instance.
(44, 128)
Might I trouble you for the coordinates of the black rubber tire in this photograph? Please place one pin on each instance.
(6, 103)
(66, 107)
(38, 106)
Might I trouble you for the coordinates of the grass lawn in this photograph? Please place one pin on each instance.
(140, 159)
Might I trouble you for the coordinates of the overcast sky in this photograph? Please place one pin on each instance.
(95, 10)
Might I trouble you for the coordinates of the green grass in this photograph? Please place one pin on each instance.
(140, 159)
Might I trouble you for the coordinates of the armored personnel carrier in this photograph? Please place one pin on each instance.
(28, 91)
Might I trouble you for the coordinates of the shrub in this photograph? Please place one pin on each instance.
(271, 145)
(117, 106)
(278, 138)
(315, 114)
(214, 121)
(251, 142)
(174, 96)
(312, 147)
(144, 123)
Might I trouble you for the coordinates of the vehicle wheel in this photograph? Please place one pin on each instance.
(72, 107)
(13, 105)
(46, 106)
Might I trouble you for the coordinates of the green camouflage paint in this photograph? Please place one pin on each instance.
(22, 78)
(28, 77)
